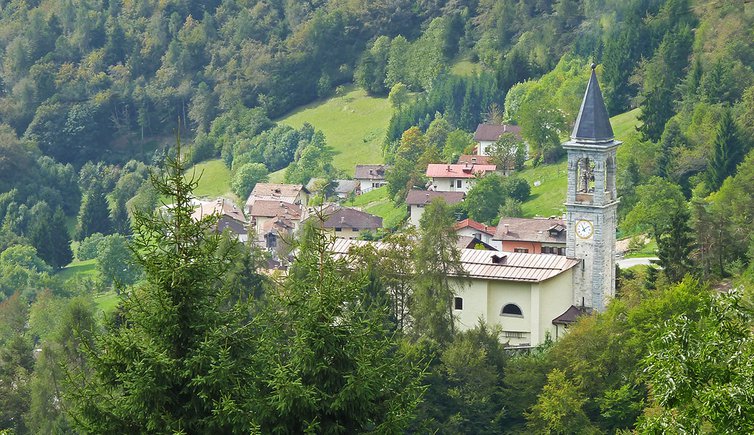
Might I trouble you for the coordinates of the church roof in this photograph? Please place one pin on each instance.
(490, 265)
(593, 122)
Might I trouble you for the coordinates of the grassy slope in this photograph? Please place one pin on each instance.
(377, 203)
(214, 181)
(547, 199)
(353, 123)
(78, 268)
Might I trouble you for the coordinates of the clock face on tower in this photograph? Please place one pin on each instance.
(584, 229)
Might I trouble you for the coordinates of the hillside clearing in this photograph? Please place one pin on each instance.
(354, 124)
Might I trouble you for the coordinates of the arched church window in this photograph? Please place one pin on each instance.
(511, 310)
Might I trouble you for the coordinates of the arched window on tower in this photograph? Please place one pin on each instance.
(512, 310)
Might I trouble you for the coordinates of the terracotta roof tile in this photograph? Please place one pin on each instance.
(488, 229)
(531, 230)
(438, 170)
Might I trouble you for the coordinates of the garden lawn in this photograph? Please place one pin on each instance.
(106, 302)
(78, 268)
(353, 123)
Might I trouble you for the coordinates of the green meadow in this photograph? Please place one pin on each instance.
(353, 123)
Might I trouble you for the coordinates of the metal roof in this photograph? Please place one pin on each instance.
(593, 122)
(494, 265)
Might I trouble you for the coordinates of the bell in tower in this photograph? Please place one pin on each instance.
(592, 200)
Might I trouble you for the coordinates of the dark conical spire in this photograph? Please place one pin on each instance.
(593, 123)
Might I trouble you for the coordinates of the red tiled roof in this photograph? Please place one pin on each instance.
(273, 191)
(475, 225)
(490, 132)
(531, 230)
(438, 170)
(474, 160)
(424, 197)
(270, 208)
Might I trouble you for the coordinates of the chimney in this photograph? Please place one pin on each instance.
(473, 160)
(496, 259)
(342, 219)
(505, 228)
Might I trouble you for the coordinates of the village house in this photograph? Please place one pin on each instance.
(342, 189)
(370, 176)
(273, 217)
(533, 236)
(288, 193)
(230, 217)
(348, 223)
(468, 159)
(418, 199)
(487, 134)
(455, 178)
(472, 228)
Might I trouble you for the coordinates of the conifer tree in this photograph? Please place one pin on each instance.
(675, 246)
(728, 153)
(94, 215)
(329, 359)
(437, 259)
(180, 358)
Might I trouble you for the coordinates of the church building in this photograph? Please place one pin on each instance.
(532, 296)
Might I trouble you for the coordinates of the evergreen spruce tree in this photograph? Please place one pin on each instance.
(675, 246)
(656, 109)
(48, 233)
(179, 360)
(329, 359)
(727, 154)
(94, 215)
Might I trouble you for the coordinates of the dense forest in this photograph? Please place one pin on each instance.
(92, 94)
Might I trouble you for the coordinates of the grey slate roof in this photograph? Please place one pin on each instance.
(351, 218)
(370, 172)
(593, 122)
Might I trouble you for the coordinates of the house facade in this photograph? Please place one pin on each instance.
(288, 193)
(455, 178)
(487, 134)
(370, 176)
(479, 231)
(348, 223)
(230, 217)
(521, 293)
(417, 200)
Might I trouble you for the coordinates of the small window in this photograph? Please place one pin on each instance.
(521, 250)
(511, 310)
(458, 303)
(459, 183)
(338, 229)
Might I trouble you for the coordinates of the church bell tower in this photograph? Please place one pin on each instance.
(592, 200)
